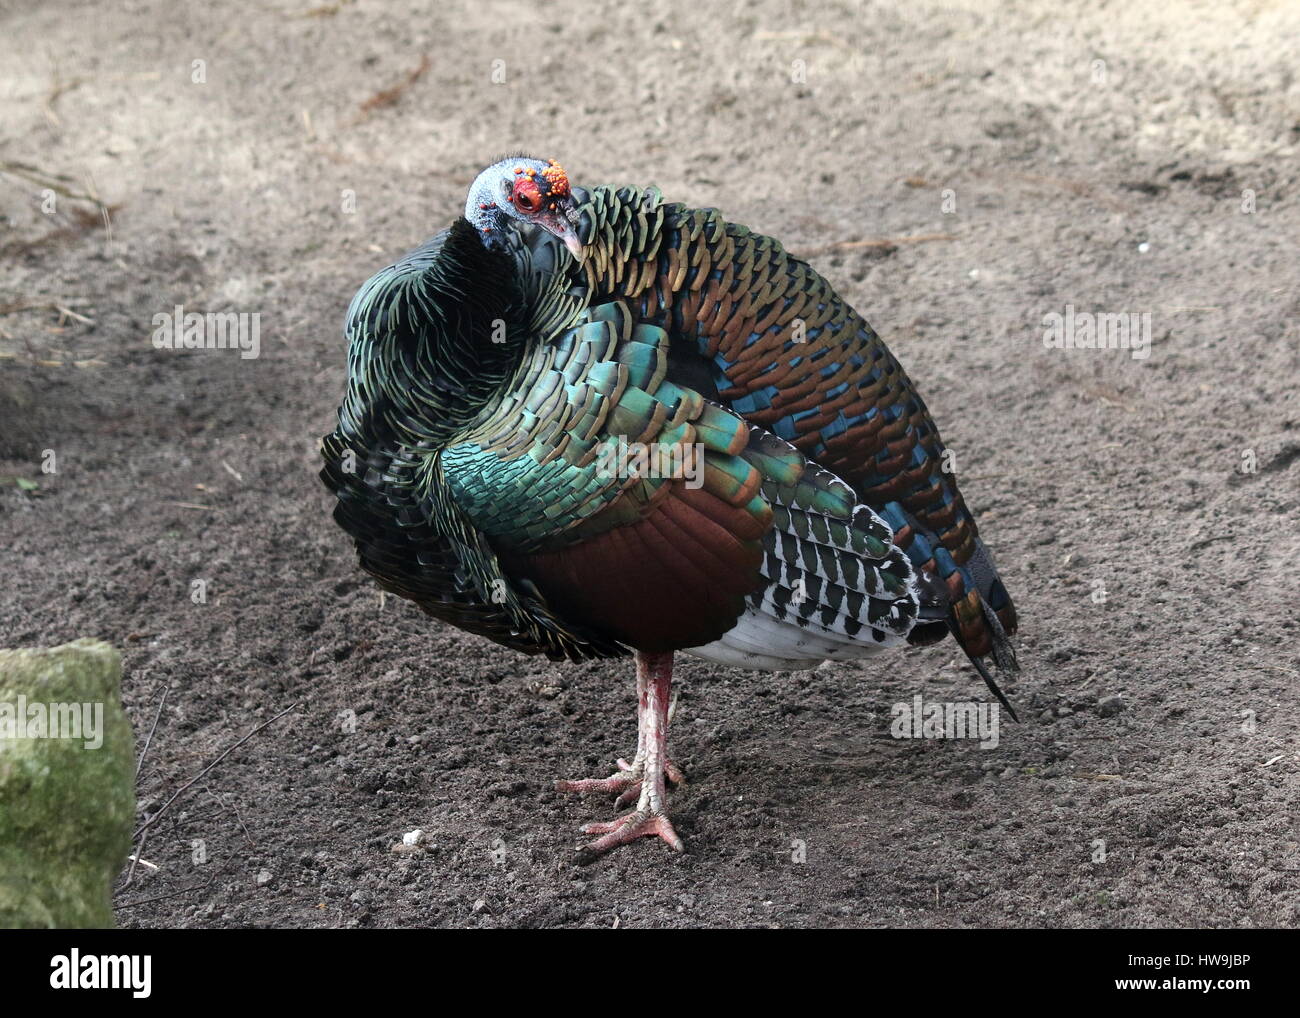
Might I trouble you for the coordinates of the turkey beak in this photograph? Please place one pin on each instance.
(566, 232)
(572, 242)
(562, 222)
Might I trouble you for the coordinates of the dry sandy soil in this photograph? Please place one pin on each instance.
(1109, 159)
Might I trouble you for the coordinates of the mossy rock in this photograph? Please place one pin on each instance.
(67, 785)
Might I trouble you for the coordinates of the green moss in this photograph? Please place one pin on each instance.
(66, 807)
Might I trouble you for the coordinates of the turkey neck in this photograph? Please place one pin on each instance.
(457, 340)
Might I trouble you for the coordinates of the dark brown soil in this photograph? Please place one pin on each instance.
(1158, 722)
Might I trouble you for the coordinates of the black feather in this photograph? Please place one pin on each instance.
(984, 674)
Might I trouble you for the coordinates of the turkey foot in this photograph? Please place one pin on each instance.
(643, 779)
(626, 783)
(628, 828)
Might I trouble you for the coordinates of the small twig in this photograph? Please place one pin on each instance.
(69, 313)
(54, 181)
(221, 800)
(14, 307)
(144, 752)
(325, 11)
(173, 894)
(225, 753)
(389, 96)
(135, 858)
(57, 90)
(105, 210)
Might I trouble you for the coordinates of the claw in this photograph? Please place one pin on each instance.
(638, 824)
(630, 795)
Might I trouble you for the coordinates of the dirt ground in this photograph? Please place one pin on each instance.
(1145, 513)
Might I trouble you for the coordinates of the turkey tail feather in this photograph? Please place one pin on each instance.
(984, 673)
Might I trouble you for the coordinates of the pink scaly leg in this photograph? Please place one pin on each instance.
(626, 782)
(644, 777)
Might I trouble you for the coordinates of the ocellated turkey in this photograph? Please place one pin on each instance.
(498, 377)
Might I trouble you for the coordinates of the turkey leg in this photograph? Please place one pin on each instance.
(626, 783)
(643, 778)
